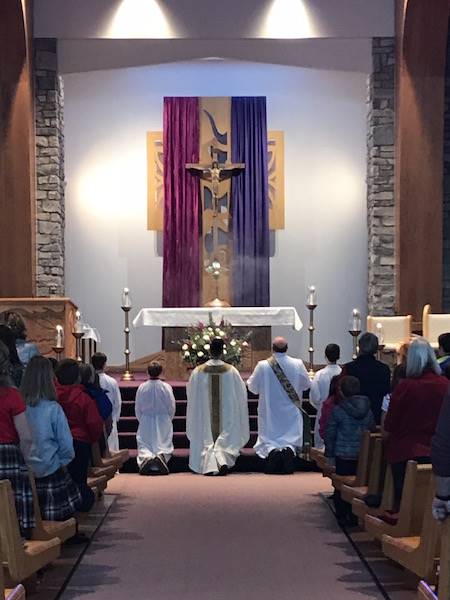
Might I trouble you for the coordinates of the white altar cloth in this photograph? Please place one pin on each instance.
(234, 315)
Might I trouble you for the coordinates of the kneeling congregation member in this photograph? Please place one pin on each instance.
(217, 415)
(52, 449)
(85, 424)
(280, 382)
(15, 444)
(110, 385)
(155, 409)
(350, 418)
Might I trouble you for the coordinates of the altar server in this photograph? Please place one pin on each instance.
(320, 387)
(110, 385)
(280, 382)
(155, 409)
(217, 415)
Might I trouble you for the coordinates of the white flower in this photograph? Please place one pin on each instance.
(211, 329)
(245, 344)
(194, 346)
(186, 354)
(184, 347)
(200, 354)
(206, 338)
(225, 351)
(221, 333)
(206, 347)
(233, 343)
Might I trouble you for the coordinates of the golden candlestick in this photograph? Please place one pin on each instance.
(355, 333)
(311, 305)
(126, 307)
(78, 335)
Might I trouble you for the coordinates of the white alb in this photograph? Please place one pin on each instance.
(280, 422)
(110, 385)
(155, 409)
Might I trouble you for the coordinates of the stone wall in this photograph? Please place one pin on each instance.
(380, 179)
(446, 192)
(49, 104)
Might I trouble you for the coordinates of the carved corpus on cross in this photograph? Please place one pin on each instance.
(215, 173)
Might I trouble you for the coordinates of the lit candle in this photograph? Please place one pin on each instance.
(356, 320)
(126, 298)
(78, 322)
(59, 336)
(311, 299)
(379, 332)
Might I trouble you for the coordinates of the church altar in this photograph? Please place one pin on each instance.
(257, 316)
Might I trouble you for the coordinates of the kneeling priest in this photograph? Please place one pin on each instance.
(217, 414)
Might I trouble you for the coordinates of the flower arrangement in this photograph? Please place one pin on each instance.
(196, 345)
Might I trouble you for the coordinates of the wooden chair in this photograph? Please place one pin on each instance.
(396, 331)
(47, 530)
(21, 560)
(417, 554)
(17, 593)
(412, 507)
(362, 471)
(434, 325)
(348, 492)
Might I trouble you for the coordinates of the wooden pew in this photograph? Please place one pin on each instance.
(17, 593)
(98, 483)
(47, 530)
(22, 560)
(417, 554)
(116, 459)
(360, 508)
(362, 471)
(412, 508)
(373, 483)
(425, 592)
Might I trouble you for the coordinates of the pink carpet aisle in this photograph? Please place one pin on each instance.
(243, 537)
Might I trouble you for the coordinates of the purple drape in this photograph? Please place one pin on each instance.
(181, 264)
(250, 203)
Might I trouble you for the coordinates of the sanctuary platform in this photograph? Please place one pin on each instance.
(128, 424)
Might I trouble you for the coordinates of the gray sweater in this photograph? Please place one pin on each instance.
(346, 426)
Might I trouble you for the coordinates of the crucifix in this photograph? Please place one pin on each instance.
(215, 173)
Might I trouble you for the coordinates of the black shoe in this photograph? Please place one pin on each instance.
(78, 538)
(274, 462)
(288, 461)
(223, 471)
(163, 468)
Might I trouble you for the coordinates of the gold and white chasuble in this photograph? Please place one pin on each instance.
(217, 422)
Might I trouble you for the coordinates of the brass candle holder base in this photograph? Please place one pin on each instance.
(58, 350)
(311, 328)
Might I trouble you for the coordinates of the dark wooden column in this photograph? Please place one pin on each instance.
(421, 52)
(17, 163)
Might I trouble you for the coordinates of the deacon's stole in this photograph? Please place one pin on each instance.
(295, 399)
(215, 373)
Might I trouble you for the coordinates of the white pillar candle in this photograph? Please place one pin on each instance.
(311, 299)
(356, 320)
(126, 298)
(59, 336)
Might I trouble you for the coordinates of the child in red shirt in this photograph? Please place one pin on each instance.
(85, 424)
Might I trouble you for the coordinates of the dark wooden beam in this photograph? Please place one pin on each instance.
(422, 28)
(17, 157)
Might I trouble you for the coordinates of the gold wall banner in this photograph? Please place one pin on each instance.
(155, 182)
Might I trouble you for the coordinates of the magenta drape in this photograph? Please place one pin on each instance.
(181, 264)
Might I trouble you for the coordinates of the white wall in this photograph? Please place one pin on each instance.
(323, 115)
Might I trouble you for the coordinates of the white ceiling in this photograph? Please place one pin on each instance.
(107, 34)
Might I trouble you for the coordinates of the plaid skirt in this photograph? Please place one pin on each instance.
(59, 496)
(13, 467)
